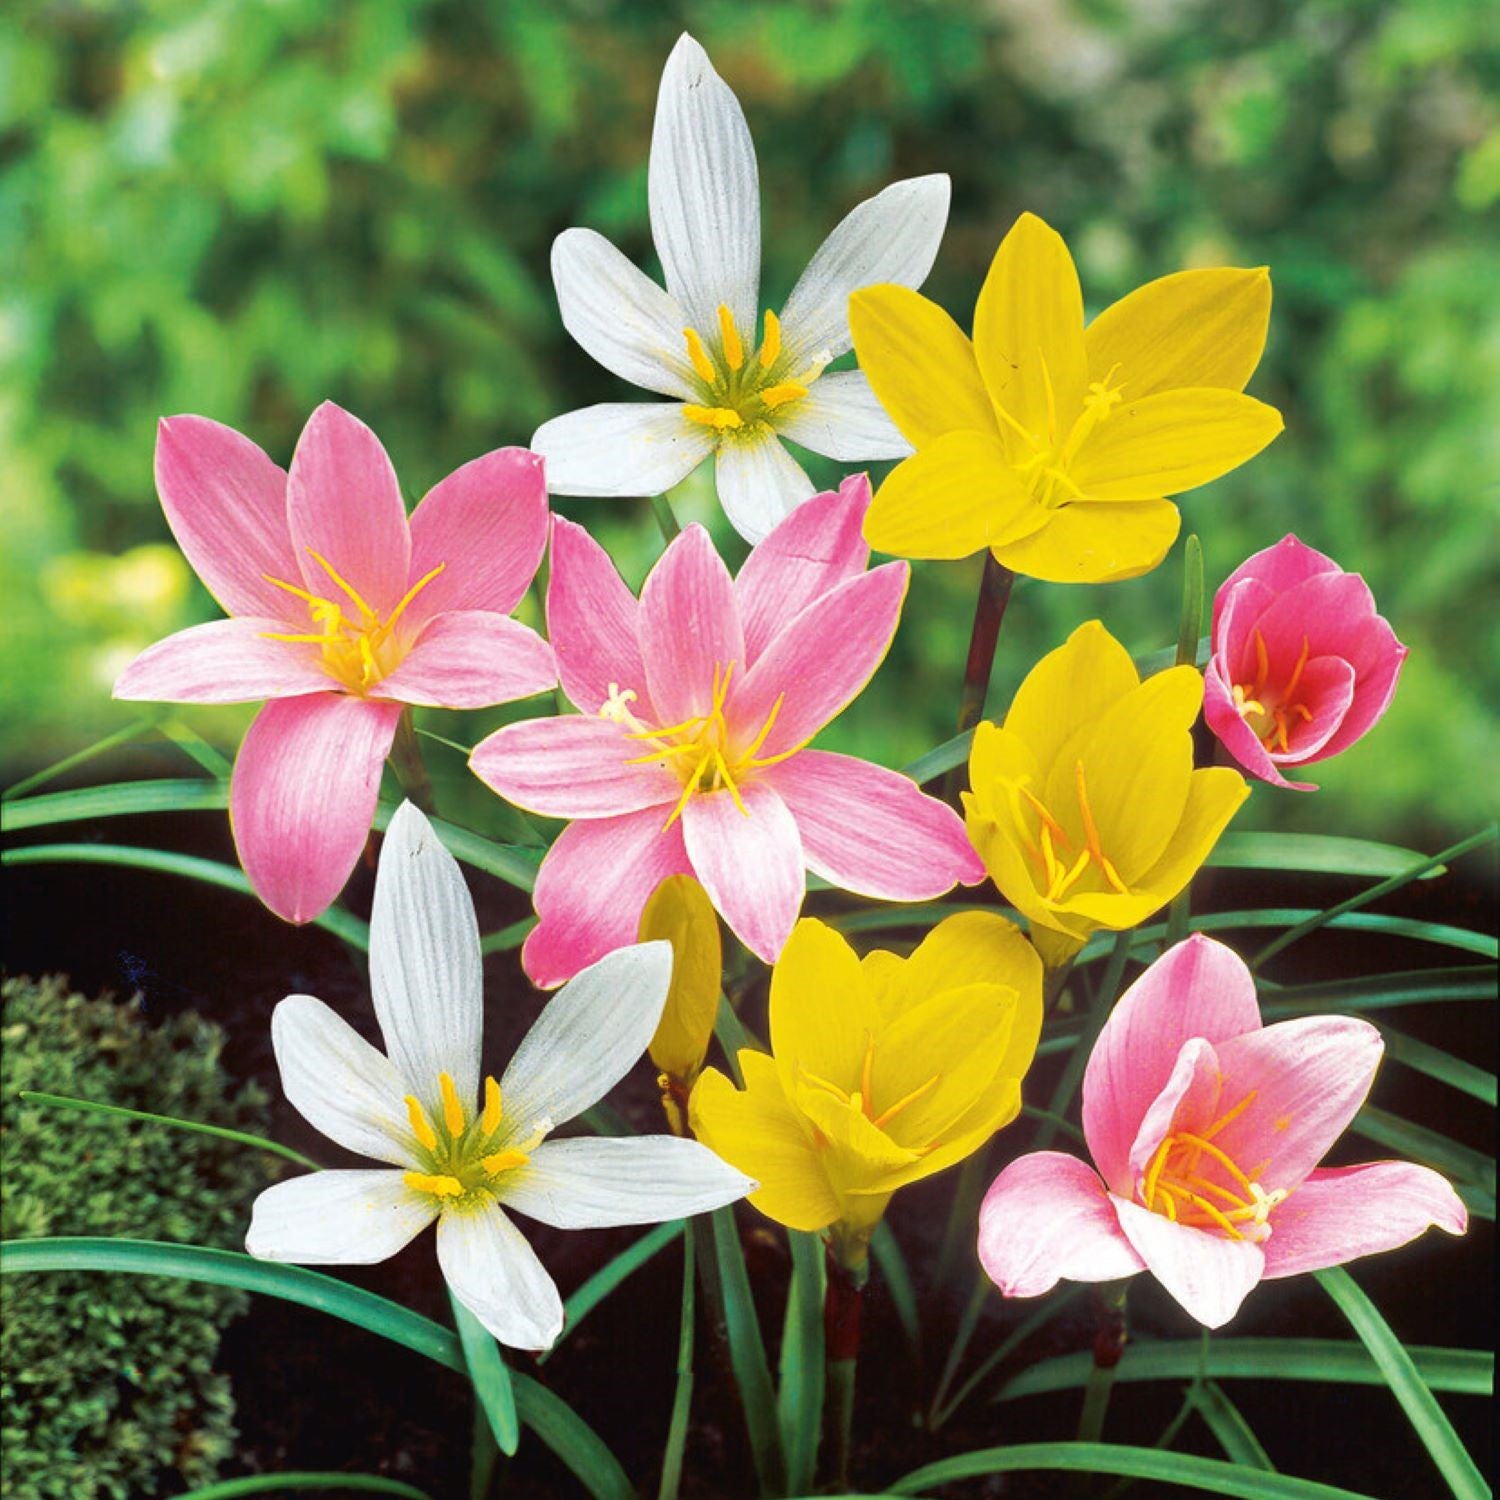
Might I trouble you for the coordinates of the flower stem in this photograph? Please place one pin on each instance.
(1109, 1345)
(1191, 623)
(989, 610)
(410, 768)
(842, 1305)
(662, 510)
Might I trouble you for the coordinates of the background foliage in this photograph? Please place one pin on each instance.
(240, 208)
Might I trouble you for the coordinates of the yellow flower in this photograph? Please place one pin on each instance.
(1050, 443)
(883, 1070)
(1085, 806)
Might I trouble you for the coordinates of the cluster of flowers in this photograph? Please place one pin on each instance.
(689, 789)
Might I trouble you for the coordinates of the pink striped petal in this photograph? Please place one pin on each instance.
(1047, 1218)
(1341, 1213)
(1208, 1274)
(820, 661)
(873, 831)
(225, 661)
(1376, 657)
(591, 621)
(592, 887)
(343, 502)
(1326, 690)
(1186, 1102)
(689, 627)
(472, 658)
(573, 767)
(1237, 737)
(1236, 612)
(817, 547)
(1199, 988)
(303, 792)
(1324, 611)
(751, 867)
(1277, 569)
(486, 526)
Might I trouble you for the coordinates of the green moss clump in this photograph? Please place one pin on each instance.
(107, 1382)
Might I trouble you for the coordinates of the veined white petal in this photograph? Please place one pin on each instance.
(337, 1218)
(892, 237)
(603, 1182)
(588, 1036)
(338, 1082)
(424, 962)
(619, 315)
(760, 484)
(496, 1275)
(621, 448)
(840, 417)
(704, 193)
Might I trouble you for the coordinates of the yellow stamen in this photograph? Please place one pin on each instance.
(779, 395)
(1153, 1173)
(409, 595)
(886, 1116)
(770, 346)
(1262, 662)
(866, 1072)
(699, 356)
(1296, 676)
(343, 583)
(503, 1161)
(489, 1121)
(1204, 1206)
(439, 1184)
(734, 350)
(1223, 1158)
(765, 731)
(1233, 1114)
(1048, 820)
(453, 1110)
(1091, 831)
(720, 418)
(292, 588)
(421, 1127)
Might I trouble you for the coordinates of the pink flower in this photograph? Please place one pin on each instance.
(689, 752)
(1302, 665)
(341, 611)
(1206, 1129)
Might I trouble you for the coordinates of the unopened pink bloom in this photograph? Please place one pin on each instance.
(1302, 666)
(1206, 1129)
(340, 611)
(688, 755)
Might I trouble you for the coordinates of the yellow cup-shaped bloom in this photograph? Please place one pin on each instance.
(1053, 444)
(883, 1070)
(679, 911)
(1085, 806)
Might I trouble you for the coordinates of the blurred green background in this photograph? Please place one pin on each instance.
(240, 207)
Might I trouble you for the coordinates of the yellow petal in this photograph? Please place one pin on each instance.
(1193, 328)
(1068, 690)
(884, 982)
(919, 363)
(679, 911)
(1213, 799)
(952, 498)
(1058, 947)
(859, 1153)
(1171, 442)
(974, 947)
(1095, 543)
(1028, 331)
(998, 761)
(999, 1105)
(1016, 877)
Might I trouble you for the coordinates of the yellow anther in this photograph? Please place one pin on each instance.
(770, 345)
(720, 418)
(453, 1110)
(699, 356)
(734, 350)
(779, 395)
(439, 1184)
(1047, 819)
(421, 1127)
(489, 1121)
(503, 1161)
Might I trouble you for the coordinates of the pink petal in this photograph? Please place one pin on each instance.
(225, 661)
(751, 867)
(1277, 568)
(1236, 612)
(1199, 988)
(486, 524)
(817, 547)
(573, 767)
(303, 792)
(343, 502)
(472, 658)
(226, 504)
(1376, 656)
(1309, 1077)
(592, 887)
(1326, 690)
(1186, 1100)
(1236, 736)
(1340, 1213)
(1329, 611)
(689, 627)
(591, 620)
(1047, 1218)
(1208, 1274)
(820, 661)
(873, 831)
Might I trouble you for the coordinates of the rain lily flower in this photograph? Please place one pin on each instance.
(459, 1153)
(1302, 665)
(1085, 805)
(1050, 443)
(341, 611)
(1206, 1129)
(883, 1071)
(696, 342)
(688, 755)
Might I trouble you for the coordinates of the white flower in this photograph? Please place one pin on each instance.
(416, 1108)
(696, 341)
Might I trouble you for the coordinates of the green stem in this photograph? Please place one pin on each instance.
(958, 1234)
(682, 1400)
(995, 584)
(410, 768)
(842, 1307)
(662, 510)
(1109, 1345)
(1191, 622)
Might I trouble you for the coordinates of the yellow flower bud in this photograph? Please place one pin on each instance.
(679, 911)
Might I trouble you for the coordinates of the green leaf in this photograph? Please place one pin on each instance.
(1191, 617)
(490, 1377)
(1322, 854)
(1229, 1426)
(1436, 1063)
(941, 759)
(1406, 1383)
(1381, 991)
(122, 736)
(799, 1393)
(891, 917)
(290, 1483)
(593, 1291)
(509, 938)
(117, 800)
(1432, 1149)
(896, 1275)
(196, 748)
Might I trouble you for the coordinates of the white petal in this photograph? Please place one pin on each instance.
(496, 1275)
(597, 1184)
(840, 417)
(760, 484)
(704, 193)
(338, 1082)
(621, 448)
(588, 1036)
(337, 1218)
(424, 962)
(892, 237)
(619, 315)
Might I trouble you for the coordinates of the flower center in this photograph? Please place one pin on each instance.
(862, 1099)
(462, 1158)
(359, 648)
(741, 393)
(1050, 846)
(1267, 712)
(1194, 1182)
(1043, 464)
